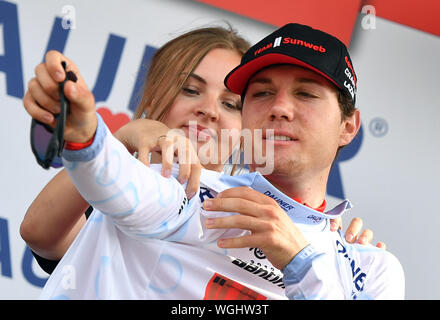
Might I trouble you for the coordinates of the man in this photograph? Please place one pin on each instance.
(300, 82)
(295, 81)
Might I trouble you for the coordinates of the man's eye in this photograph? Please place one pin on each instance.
(258, 94)
(305, 94)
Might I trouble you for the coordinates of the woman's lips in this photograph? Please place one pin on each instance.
(200, 132)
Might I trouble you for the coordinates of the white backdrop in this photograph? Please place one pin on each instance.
(390, 174)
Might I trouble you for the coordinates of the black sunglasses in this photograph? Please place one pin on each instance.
(47, 143)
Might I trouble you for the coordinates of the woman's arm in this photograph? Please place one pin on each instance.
(57, 214)
(139, 200)
(54, 218)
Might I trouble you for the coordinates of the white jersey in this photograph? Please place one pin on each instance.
(146, 240)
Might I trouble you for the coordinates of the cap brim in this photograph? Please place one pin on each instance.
(238, 78)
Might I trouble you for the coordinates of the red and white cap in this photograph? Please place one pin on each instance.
(298, 45)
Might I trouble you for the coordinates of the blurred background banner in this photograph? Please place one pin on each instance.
(390, 172)
(337, 17)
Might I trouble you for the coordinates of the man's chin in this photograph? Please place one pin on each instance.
(286, 168)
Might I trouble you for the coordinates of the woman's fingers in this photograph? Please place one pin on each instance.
(48, 84)
(42, 97)
(55, 70)
(166, 145)
(184, 155)
(146, 136)
(51, 73)
(36, 111)
(189, 166)
(144, 156)
(194, 180)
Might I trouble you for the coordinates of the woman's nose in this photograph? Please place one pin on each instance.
(208, 109)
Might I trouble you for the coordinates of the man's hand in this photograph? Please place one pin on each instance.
(41, 100)
(353, 233)
(271, 228)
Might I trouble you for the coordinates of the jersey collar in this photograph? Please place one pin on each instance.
(298, 212)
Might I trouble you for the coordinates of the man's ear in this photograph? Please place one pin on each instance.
(349, 128)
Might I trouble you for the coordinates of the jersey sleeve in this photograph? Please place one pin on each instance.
(139, 200)
(386, 280)
(309, 276)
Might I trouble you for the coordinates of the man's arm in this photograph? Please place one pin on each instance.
(385, 279)
(306, 271)
(308, 277)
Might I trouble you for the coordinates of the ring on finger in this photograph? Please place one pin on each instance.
(161, 137)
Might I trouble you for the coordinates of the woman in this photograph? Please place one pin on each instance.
(184, 83)
(172, 94)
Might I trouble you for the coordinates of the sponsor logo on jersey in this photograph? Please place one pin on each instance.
(205, 193)
(220, 287)
(185, 200)
(283, 204)
(315, 219)
(357, 274)
(258, 253)
(263, 271)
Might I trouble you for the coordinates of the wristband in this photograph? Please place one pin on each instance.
(78, 145)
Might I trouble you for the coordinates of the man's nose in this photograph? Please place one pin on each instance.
(282, 108)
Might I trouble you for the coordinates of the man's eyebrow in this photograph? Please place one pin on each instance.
(262, 80)
(308, 80)
(265, 80)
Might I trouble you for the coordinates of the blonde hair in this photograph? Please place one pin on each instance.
(176, 60)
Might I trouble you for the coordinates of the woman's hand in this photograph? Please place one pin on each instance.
(145, 136)
(42, 100)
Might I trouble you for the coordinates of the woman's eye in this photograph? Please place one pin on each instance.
(232, 105)
(190, 91)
